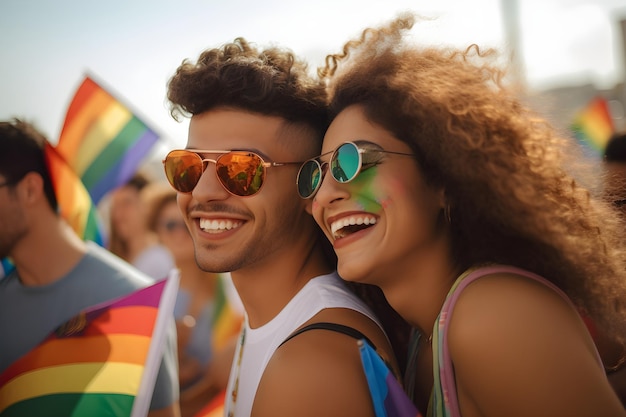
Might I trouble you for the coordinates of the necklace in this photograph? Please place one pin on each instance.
(233, 394)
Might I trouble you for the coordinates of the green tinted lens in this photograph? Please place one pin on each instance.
(345, 163)
(309, 178)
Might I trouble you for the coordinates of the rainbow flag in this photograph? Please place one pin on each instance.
(102, 139)
(75, 204)
(103, 362)
(387, 394)
(593, 125)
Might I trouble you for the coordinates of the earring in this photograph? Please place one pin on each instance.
(446, 212)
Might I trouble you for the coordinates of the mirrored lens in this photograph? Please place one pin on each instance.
(345, 163)
(183, 170)
(241, 173)
(309, 178)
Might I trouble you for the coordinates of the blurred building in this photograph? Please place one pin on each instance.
(562, 103)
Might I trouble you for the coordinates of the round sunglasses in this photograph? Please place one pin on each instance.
(241, 173)
(346, 162)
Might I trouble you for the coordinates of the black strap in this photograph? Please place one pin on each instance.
(335, 327)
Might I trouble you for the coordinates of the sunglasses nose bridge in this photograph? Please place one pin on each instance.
(205, 163)
(213, 180)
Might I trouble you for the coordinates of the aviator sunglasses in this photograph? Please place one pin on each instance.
(241, 173)
(346, 162)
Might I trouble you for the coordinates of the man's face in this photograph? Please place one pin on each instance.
(231, 232)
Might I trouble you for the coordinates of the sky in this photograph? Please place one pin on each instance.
(134, 46)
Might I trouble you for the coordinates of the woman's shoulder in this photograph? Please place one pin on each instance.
(502, 300)
(509, 333)
(505, 315)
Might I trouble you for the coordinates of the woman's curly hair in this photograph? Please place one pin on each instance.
(271, 82)
(512, 198)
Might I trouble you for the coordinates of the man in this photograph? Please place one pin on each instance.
(57, 275)
(255, 116)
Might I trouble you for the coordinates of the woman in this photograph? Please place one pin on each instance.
(207, 311)
(433, 177)
(130, 238)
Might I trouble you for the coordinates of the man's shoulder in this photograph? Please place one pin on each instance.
(330, 291)
(107, 269)
(319, 365)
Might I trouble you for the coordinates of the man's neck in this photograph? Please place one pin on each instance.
(265, 289)
(47, 253)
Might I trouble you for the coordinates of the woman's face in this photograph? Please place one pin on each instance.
(173, 233)
(127, 212)
(384, 216)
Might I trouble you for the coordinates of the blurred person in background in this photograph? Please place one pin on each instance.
(208, 311)
(129, 235)
(57, 274)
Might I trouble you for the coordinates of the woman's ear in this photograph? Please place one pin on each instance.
(308, 205)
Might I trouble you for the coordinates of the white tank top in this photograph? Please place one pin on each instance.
(259, 345)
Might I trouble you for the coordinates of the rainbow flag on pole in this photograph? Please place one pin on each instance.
(388, 397)
(593, 125)
(102, 139)
(103, 362)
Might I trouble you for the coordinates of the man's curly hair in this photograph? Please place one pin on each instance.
(272, 82)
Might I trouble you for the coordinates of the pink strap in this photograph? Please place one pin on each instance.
(447, 374)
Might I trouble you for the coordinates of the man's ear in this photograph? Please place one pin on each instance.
(31, 188)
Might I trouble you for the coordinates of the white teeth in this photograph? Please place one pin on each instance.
(351, 221)
(218, 226)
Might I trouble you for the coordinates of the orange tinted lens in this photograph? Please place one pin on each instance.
(241, 173)
(183, 170)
